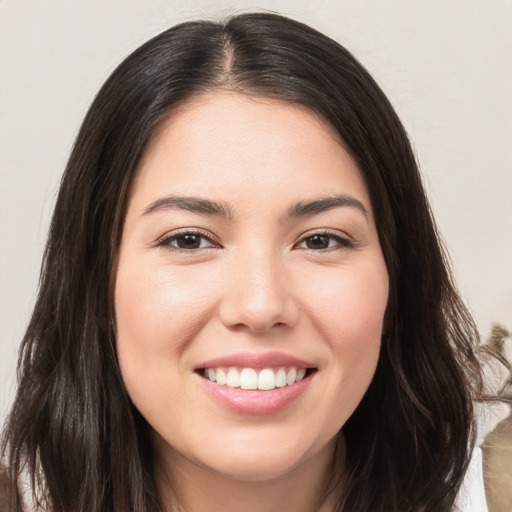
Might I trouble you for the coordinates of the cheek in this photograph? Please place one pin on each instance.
(349, 311)
(157, 314)
(350, 305)
(156, 307)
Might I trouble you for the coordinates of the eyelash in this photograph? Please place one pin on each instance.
(342, 242)
(167, 241)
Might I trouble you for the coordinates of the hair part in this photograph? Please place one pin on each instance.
(73, 428)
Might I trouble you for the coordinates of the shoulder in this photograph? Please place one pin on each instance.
(472, 493)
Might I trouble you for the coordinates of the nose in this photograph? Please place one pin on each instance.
(258, 294)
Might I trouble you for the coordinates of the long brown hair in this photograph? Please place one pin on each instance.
(73, 429)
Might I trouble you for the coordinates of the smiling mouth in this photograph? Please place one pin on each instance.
(263, 379)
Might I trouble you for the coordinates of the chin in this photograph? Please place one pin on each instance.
(258, 468)
(263, 459)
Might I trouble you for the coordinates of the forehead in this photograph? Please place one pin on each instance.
(217, 142)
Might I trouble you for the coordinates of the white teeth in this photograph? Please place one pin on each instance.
(290, 378)
(233, 378)
(220, 376)
(249, 378)
(266, 380)
(281, 377)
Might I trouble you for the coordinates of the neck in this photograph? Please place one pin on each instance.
(194, 488)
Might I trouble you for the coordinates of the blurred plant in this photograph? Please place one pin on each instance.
(495, 347)
(497, 447)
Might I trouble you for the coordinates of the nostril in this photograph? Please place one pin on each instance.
(258, 308)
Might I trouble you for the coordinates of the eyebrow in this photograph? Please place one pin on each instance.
(305, 208)
(220, 209)
(191, 204)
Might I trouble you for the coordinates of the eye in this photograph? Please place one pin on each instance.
(323, 241)
(187, 241)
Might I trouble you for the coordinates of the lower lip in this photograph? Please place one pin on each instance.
(253, 401)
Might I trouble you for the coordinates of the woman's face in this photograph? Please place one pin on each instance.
(249, 256)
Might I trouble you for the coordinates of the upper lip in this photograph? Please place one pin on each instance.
(252, 360)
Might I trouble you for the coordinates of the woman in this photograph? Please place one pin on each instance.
(244, 302)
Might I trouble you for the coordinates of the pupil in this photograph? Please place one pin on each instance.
(189, 242)
(317, 242)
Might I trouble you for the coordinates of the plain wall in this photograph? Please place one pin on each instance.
(445, 64)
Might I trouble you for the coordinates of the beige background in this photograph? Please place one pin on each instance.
(445, 64)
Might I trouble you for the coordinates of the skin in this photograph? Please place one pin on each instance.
(256, 282)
